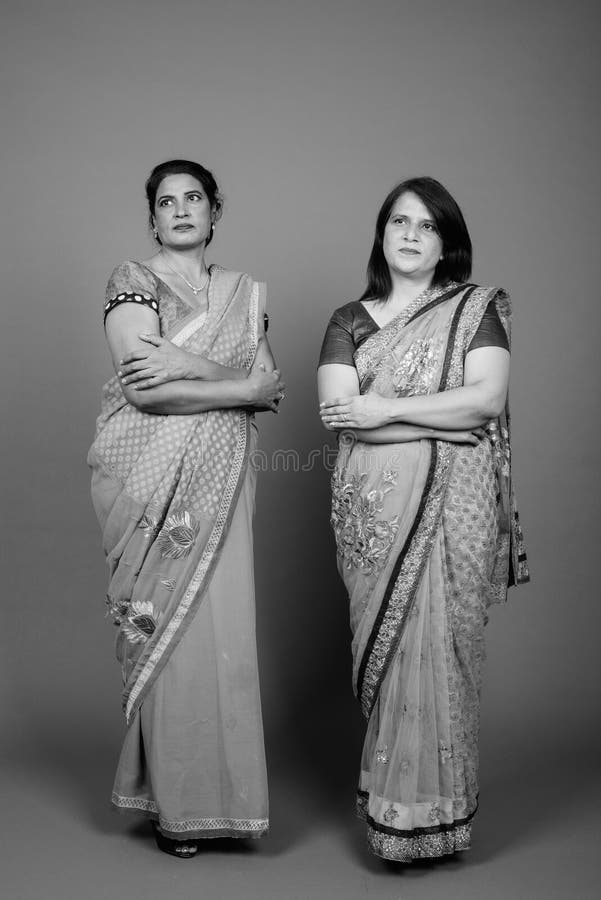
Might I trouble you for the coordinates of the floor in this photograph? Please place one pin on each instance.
(63, 840)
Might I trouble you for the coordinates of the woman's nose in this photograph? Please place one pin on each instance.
(180, 209)
(409, 231)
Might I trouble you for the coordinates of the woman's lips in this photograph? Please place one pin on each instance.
(409, 251)
(182, 227)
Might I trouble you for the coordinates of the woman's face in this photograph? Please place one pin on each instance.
(182, 212)
(412, 245)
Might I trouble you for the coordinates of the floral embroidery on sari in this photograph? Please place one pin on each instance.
(417, 369)
(362, 537)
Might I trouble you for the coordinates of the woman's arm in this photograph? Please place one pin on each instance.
(334, 379)
(180, 397)
(481, 398)
(161, 361)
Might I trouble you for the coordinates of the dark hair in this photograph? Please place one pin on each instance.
(456, 264)
(183, 167)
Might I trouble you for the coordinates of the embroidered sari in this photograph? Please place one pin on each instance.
(174, 495)
(427, 536)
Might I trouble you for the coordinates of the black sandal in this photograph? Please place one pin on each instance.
(180, 849)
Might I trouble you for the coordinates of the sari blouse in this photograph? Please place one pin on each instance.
(351, 325)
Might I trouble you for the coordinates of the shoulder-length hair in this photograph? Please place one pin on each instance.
(456, 263)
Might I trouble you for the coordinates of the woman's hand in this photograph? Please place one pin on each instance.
(266, 389)
(160, 363)
(361, 411)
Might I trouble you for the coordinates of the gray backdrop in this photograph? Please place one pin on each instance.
(308, 113)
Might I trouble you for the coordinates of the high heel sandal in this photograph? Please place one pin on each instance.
(180, 849)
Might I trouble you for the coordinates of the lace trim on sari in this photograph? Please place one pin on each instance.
(205, 827)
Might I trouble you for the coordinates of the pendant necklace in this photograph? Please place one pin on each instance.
(195, 290)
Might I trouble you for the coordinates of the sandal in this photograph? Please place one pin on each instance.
(181, 849)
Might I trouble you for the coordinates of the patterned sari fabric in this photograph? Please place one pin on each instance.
(174, 497)
(427, 536)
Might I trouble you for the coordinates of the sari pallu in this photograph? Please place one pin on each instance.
(427, 536)
(166, 489)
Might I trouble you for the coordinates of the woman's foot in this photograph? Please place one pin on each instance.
(181, 849)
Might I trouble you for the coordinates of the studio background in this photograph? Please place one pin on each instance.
(308, 113)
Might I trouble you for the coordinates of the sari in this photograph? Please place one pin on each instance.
(427, 536)
(174, 495)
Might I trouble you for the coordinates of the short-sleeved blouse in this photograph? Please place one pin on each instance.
(133, 282)
(351, 325)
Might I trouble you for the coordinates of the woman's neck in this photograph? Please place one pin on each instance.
(406, 290)
(189, 262)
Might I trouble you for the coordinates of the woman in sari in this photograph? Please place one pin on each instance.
(174, 494)
(414, 378)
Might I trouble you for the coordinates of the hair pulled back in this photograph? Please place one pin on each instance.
(183, 167)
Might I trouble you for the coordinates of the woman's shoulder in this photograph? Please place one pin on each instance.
(488, 297)
(346, 315)
(131, 276)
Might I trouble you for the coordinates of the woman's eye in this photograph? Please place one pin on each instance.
(428, 226)
(398, 220)
(165, 201)
(194, 197)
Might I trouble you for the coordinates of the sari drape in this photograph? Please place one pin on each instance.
(174, 496)
(427, 536)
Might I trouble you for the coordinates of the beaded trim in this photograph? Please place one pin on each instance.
(419, 843)
(128, 297)
(420, 846)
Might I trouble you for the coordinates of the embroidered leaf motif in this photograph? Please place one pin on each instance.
(169, 583)
(145, 624)
(133, 634)
(177, 536)
(141, 622)
(148, 524)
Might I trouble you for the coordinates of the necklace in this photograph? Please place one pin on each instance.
(195, 290)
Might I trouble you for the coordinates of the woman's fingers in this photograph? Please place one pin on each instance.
(136, 375)
(134, 356)
(155, 339)
(150, 382)
(129, 369)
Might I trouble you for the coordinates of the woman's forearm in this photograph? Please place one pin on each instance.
(393, 434)
(206, 370)
(203, 369)
(464, 407)
(182, 398)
